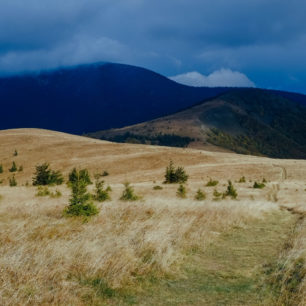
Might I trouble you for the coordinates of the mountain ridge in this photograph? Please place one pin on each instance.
(247, 121)
(92, 97)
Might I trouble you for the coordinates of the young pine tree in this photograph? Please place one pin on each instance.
(13, 168)
(84, 175)
(101, 193)
(212, 183)
(1, 169)
(180, 175)
(230, 191)
(200, 195)
(242, 180)
(181, 191)
(173, 175)
(45, 176)
(170, 173)
(12, 181)
(128, 193)
(79, 203)
(259, 185)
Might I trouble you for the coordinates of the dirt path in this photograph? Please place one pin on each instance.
(228, 272)
(284, 175)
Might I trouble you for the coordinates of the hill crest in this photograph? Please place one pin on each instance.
(247, 121)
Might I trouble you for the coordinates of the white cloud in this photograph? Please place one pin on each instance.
(222, 77)
(81, 49)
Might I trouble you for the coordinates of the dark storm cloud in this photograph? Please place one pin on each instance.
(173, 37)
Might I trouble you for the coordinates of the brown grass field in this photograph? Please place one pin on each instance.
(160, 250)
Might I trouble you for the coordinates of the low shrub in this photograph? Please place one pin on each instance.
(101, 193)
(259, 185)
(86, 210)
(128, 193)
(44, 176)
(157, 187)
(200, 195)
(212, 183)
(79, 203)
(242, 180)
(83, 175)
(42, 191)
(12, 181)
(181, 192)
(230, 191)
(217, 195)
(56, 194)
(175, 175)
(105, 173)
(13, 168)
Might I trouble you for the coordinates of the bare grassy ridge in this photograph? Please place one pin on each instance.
(48, 259)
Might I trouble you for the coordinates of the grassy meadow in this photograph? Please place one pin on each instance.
(160, 249)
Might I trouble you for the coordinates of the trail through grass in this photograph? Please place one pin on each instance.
(229, 271)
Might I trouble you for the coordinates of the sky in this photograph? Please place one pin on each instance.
(250, 43)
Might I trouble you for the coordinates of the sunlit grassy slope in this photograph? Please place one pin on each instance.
(160, 250)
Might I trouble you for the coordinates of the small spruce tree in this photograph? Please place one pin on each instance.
(72, 177)
(200, 195)
(128, 193)
(242, 179)
(13, 168)
(83, 173)
(217, 195)
(79, 203)
(1, 169)
(180, 175)
(181, 191)
(44, 176)
(173, 175)
(157, 187)
(212, 183)
(259, 185)
(15, 153)
(101, 193)
(12, 181)
(105, 173)
(170, 173)
(230, 191)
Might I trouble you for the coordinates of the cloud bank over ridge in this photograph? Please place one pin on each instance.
(218, 78)
(264, 39)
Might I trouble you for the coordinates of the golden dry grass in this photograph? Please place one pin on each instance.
(43, 255)
(46, 258)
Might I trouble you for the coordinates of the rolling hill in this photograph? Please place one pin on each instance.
(247, 121)
(160, 249)
(92, 97)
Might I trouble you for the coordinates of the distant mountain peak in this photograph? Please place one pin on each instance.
(91, 97)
